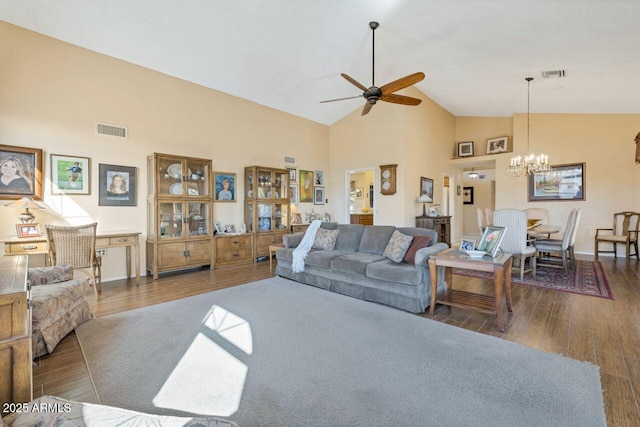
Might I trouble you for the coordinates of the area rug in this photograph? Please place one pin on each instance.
(588, 278)
(281, 353)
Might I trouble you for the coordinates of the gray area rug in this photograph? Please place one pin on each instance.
(277, 352)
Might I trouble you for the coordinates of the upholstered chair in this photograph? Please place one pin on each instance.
(515, 238)
(625, 231)
(542, 215)
(560, 247)
(488, 216)
(482, 223)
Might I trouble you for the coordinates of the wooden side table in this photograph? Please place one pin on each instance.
(272, 251)
(500, 266)
(440, 224)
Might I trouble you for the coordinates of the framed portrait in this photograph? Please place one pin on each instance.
(225, 187)
(467, 195)
(497, 145)
(230, 228)
(70, 174)
(218, 227)
(20, 172)
(318, 195)
(117, 185)
(297, 218)
(28, 230)
(467, 245)
(563, 182)
(306, 186)
(293, 174)
(319, 175)
(359, 193)
(293, 190)
(426, 187)
(491, 239)
(465, 149)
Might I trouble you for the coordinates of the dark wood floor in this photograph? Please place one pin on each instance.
(596, 330)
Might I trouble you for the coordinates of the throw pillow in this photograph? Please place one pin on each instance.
(418, 243)
(325, 239)
(397, 246)
(50, 275)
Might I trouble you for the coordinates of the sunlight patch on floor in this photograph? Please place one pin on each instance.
(231, 327)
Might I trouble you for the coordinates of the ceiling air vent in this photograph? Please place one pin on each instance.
(553, 74)
(289, 159)
(111, 130)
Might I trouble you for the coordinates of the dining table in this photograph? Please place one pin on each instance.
(542, 229)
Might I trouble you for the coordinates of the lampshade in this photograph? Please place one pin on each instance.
(425, 199)
(26, 203)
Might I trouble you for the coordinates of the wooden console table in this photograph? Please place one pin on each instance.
(440, 224)
(500, 266)
(104, 240)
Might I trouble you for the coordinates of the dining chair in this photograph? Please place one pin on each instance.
(515, 238)
(75, 246)
(574, 233)
(482, 222)
(488, 216)
(547, 247)
(625, 230)
(542, 215)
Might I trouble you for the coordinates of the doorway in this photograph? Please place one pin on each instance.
(360, 195)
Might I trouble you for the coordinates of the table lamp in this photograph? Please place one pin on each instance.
(27, 203)
(424, 199)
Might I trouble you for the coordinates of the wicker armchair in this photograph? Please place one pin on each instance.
(626, 226)
(515, 238)
(76, 246)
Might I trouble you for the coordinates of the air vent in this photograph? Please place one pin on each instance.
(289, 159)
(111, 130)
(553, 74)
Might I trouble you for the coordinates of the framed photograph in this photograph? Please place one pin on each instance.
(293, 174)
(225, 190)
(435, 210)
(230, 228)
(465, 149)
(117, 185)
(497, 145)
(467, 245)
(467, 195)
(563, 182)
(28, 230)
(458, 190)
(359, 193)
(318, 195)
(319, 177)
(297, 218)
(306, 186)
(426, 186)
(20, 172)
(70, 174)
(491, 239)
(293, 190)
(218, 227)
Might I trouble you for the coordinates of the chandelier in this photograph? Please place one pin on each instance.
(529, 163)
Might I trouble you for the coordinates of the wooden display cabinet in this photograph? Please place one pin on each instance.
(234, 249)
(267, 208)
(179, 213)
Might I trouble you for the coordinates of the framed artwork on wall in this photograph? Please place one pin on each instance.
(426, 187)
(293, 190)
(293, 174)
(319, 175)
(70, 174)
(20, 172)
(465, 149)
(306, 186)
(318, 195)
(563, 182)
(117, 185)
(225, 183)
(467, 195)
(497, 145)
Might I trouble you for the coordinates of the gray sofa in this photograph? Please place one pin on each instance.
(356, 266)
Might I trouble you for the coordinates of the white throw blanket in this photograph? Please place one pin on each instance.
(301, 251)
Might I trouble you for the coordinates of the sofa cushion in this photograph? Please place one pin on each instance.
(50, 275)
(375, 239)
(322, 258)
(390, 271)
(325, 239)
(417, 243)
(349, 236)
(355, 263)
(397, 246)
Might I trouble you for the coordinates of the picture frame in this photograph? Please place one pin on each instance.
(359, 193)
(435, 210)
(458, 189)
(293, 190)
(565, 182)
(24, 172)
(230, 228)
(497, 145)
(491, 239)
(465, 149)
(318, 195)
(28, 230)
(218, 227)
(319, 177)
(306, 186)
(293, 174)
(467, 244)
(467, 195)
(117, 185)
(225, 186)
(426, 187)
(70, 174)
(297, 218)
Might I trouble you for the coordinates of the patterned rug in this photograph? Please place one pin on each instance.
(587, 279)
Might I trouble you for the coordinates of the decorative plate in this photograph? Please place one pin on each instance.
(175, 171)
(476, 254)
(176, 188)
(193, 192)
(264, 224)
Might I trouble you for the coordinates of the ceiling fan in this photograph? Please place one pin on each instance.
(374, 94)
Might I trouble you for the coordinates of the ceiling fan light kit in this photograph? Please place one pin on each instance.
(373, 94)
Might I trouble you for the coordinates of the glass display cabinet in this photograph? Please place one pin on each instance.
(179, 213)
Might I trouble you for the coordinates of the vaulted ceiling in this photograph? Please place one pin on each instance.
(288, 54)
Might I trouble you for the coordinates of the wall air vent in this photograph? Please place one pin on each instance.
(111, 130)
(553, 74)
(290, 160)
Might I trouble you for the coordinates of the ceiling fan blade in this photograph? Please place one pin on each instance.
(400, 99)
(354, 82)
(367, 108)
(402, 83)
(342, 99)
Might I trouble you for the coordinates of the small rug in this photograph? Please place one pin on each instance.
(280, 353)
(588, 278)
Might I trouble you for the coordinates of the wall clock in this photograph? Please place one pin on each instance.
(388, 179)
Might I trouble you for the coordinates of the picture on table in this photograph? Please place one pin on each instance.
(28, 230)
(20, 172)
(467, 245)
(491, 239)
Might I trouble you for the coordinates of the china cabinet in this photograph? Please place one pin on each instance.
(267, 210)
(179, 213)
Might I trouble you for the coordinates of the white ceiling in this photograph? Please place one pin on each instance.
(288, 54)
